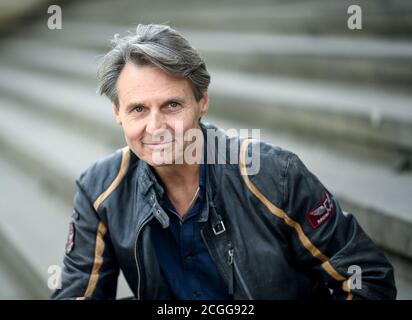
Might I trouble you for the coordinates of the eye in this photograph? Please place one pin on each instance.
(138, 109)
(173, 104)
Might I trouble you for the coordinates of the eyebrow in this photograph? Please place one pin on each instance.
(165, 103)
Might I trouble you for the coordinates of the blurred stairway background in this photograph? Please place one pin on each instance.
(341, 99)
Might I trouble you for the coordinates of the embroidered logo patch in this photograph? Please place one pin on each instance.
(322, 212)
(70, 239)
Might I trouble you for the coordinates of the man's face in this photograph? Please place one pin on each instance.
(155, 109)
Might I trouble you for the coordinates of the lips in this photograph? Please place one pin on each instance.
(161, 142)
(157, 145)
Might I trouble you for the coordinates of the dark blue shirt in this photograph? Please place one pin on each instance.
(183, 257)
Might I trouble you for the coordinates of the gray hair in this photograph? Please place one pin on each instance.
(157, 45)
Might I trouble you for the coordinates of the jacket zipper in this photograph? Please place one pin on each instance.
(232, 261)
(136, 256)
(230, 284)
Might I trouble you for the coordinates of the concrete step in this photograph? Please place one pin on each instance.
(320, 17)
(359, 61)
(403, 276)
(66, 101)
(32, 139)
(81, 34)
(13, 287)
(95, 35)
(350, 113)
(35, 229)
(340, 59)
(46, 163)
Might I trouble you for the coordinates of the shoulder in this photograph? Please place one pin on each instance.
(106, 174)
(264, 168)
(265, 157)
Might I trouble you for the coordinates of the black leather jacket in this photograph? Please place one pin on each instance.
(260, 231)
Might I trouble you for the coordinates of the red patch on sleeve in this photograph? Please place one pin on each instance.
(70, 239)
(322, 212)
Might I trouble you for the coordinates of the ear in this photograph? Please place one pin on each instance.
(115, 111)
(204, 104)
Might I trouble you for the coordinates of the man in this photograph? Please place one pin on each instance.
(181, 226)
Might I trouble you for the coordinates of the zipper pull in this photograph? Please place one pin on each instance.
(230, 256)
(232, 275)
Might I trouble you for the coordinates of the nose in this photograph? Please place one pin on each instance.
(154, 123)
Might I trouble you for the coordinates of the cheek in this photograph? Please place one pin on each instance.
(133, 130)
(190, 117)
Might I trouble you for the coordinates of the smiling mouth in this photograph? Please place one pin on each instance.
(157, 145)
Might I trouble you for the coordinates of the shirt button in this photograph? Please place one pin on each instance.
(196, 294)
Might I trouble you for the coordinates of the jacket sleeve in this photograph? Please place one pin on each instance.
(331, 242)
(90, 268)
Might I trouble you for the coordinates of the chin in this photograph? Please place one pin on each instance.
(162, 165)
(146, 155)
(148, 158)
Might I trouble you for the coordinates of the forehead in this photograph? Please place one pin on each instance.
(147, 84)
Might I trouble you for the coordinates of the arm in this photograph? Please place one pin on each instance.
(90, 267)
(329, 242)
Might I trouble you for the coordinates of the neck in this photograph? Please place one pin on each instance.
(179, 176)
(181, 185)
